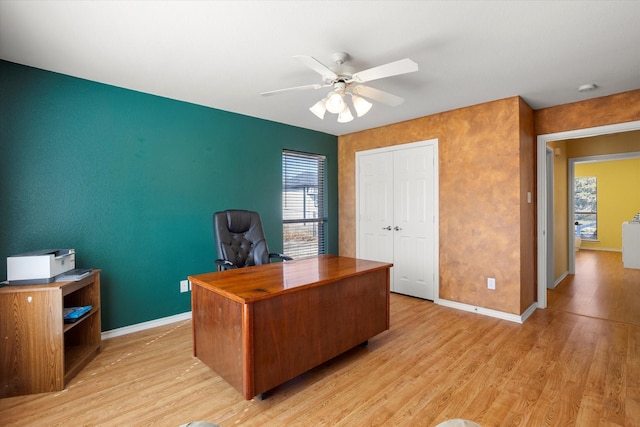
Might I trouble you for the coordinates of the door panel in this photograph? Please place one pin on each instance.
(414, 215)
(412, 278)
(375, 220)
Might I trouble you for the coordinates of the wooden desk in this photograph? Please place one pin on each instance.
(259, 327)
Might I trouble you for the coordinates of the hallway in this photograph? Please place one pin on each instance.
(601, 288)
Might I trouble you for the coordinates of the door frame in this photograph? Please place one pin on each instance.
(433, 142)
(550, 226)
(542, 142)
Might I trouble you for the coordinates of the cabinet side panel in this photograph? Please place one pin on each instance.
(96, 324)
(31, 359)
(217, 334)
(297, 331)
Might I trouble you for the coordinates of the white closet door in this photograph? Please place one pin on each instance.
(397, 215)
(375, 222)
(414, 222)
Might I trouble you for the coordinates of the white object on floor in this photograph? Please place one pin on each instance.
(458, 422)
(631, 244)
(199, 424)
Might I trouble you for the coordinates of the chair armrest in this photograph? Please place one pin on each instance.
(280, 256)
(223, 264)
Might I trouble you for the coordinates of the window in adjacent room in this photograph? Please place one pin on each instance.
(586, 207)
(303, 204)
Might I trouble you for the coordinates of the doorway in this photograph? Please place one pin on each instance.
(543, 189)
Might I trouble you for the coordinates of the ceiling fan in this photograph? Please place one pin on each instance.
(345, 83)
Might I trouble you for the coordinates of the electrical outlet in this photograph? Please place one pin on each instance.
(184, 286)
(491, 283)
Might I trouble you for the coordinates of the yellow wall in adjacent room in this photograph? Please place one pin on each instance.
(618, 198)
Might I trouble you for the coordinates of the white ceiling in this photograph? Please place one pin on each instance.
(223, 54)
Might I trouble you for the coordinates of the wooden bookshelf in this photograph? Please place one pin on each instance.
(39, 352)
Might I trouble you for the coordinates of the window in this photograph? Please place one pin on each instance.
(586, 207)
(303, 204)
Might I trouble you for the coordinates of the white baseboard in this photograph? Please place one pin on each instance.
(560, 279)
(145, 325)
(453, 304)
(587, 248)
(529, 311)
(489, 312)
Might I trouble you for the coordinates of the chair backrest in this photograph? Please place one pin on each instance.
(240, 238)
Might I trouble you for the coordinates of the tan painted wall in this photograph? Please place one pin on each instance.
(487, 228)
(607, 110)
(625, 142)
(528, 255)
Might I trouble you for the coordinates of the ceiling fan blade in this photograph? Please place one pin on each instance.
(378, 95)
(292, 89)
(318, 67)
(402, 66)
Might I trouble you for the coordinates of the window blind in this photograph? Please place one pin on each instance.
(303, 204)
(586, 207)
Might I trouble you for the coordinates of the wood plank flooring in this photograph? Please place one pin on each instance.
(435, 363)
(600, 288)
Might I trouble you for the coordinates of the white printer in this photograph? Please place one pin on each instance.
(39, 266)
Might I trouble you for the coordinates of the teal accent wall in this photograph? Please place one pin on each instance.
(131, 180)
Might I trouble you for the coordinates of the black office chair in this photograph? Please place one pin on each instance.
(240, 240)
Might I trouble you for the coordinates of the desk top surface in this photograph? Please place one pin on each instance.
(255, 283)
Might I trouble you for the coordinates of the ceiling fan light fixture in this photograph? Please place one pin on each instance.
(361, 105)
(345, 115)
(341, 79)
(319, 108)
(335, 102)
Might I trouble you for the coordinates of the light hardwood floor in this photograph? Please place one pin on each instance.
(600, 288)
(435, 363)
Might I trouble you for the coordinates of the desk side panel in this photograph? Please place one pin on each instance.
(297, 331)
(217, 334)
